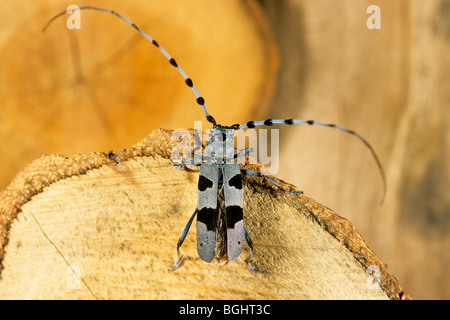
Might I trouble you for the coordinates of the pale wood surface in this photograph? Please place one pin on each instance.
(116, 218)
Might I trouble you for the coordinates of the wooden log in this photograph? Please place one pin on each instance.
(392, 86)
(105, 225)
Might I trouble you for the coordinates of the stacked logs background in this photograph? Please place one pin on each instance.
(103, 87)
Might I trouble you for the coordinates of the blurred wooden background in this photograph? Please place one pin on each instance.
(103, 87)
(393, 87)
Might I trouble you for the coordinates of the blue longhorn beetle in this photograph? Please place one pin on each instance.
(220, 226)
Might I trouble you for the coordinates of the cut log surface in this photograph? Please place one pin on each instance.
(105, 226)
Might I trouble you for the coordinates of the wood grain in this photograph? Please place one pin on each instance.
(115, 218)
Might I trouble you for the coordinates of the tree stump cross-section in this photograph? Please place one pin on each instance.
(105, 226)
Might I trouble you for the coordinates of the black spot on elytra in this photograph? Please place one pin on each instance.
(234, 214)
(208, 216)
(204, 183)
(236, 182)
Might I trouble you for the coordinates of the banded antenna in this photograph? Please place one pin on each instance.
(270, 122)
(188, 81)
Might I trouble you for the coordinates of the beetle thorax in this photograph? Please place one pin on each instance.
(220, 146)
